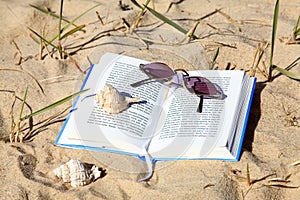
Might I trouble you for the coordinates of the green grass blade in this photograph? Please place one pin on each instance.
(50, 13)
(23, 102)
(59, 47)
(79, 16)
(287, 73)
(136, 4)
(296, 29)
(42, 38)
(166, 20)
(54, 104)
(274, 29)
(60, 18)
(215, 58)
(55, 47)
(45, 40)
(216, 55)
(73, 21)
(35, 39)
(74, 30)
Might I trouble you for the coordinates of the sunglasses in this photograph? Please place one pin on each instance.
(198, 85)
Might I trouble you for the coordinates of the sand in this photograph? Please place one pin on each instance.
(272, 137)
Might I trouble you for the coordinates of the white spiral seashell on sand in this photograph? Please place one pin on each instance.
(77, 173)
(111, 101)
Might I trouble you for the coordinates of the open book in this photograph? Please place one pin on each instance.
(166, 125)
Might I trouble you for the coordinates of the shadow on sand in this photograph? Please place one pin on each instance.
(255, 114)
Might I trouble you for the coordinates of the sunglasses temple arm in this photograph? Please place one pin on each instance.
(200, 106)
(140, 82)
(148, 80)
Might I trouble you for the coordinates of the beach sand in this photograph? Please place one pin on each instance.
(272, 140)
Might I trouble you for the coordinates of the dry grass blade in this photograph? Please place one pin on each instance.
(99, 17)
(174, 3)
(13, 124)
(31, 76)
(282, 186)
(75, 63)
(59, 115)
(256, 60)
(228, 17)
(248, 176)
(140, 15)
(209, 14)
(191, 32)
(42, 125)
(253, 66)
(278, 180)
(18, 52)
(295, 163)
(22, 107)
(55, 47)
(18, 133)
(262, 178)
(54, 104)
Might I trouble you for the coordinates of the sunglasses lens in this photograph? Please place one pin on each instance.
(157, 70)
(202, 87)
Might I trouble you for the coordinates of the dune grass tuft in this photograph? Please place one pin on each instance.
(271, 66)
(16, 134)
(63, 31)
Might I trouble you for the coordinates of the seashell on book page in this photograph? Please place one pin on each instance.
(112, 101)
(77, 173)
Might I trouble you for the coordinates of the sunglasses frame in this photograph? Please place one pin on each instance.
(186, 75)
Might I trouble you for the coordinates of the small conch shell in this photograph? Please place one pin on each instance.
(111, 101)
(77, 173)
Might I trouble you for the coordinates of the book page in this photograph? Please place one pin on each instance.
(189, 134)
(234, 141)
(90, 125)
